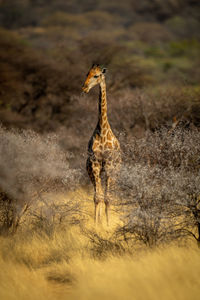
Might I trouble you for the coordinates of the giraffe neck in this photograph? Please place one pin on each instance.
(103, 119)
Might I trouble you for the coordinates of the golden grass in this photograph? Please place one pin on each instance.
(171, 273)
(34, 266)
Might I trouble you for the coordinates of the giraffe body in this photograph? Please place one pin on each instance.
(104, 155)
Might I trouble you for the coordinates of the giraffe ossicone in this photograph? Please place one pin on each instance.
(104, 154)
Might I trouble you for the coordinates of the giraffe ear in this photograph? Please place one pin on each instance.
(95, 65)
(104, 70)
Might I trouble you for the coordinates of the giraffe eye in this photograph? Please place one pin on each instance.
(96, 76)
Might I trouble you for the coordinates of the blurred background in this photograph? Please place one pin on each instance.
(150, 47)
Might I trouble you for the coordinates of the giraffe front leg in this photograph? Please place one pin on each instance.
(98, 193)
(107, 211)
(94, 169)
(97, 212)
(98, 199)
(100, 211)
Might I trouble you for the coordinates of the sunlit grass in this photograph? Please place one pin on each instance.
(171, 273)
(37, 266)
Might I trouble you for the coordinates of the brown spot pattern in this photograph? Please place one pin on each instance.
(108, 145)
(109, 136)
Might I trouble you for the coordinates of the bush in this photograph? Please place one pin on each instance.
(189, 48)
(183, 27)
(31, 166)
(159, 187)
(150, 32)
(66, 20)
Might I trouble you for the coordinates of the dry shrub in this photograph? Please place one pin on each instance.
(54, 211)
(167, 148)
(149, 216)
(101, 246)
(138, 110)
(31, 165)
(159, 187)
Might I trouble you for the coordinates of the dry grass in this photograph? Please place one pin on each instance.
(36, 266)
(170, 273)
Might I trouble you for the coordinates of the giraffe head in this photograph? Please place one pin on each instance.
(94, 77)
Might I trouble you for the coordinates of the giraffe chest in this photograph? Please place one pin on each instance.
(106, 141)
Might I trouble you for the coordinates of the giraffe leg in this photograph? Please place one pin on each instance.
(94, 170)
(100, 211)
(107, 211)
(97, 212)
(112, 169)
(98, 199)
(107, 197)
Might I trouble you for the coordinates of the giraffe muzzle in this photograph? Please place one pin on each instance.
(85, 89)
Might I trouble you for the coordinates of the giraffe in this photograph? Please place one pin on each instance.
(104, 154)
